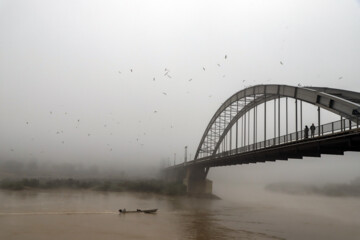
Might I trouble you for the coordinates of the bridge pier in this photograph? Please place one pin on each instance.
(196, 182)
(194, 179)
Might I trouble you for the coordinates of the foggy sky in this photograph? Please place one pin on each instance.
(67, 92)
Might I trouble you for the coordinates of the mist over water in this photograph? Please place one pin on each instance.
(93, 215)
(117, 89)
(246, 210)
(286, 190)
(351, 189)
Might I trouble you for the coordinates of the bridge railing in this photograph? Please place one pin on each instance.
(325, 129)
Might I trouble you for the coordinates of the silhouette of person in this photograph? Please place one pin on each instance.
(306, 132)
(312, 129)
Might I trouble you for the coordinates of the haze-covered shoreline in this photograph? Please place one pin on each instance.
(351, 189)
(112, 185)
(33, 168)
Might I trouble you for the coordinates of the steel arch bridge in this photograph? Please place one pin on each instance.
(341, 102)
(231, 136)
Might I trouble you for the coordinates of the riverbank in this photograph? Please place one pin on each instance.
(106, 185)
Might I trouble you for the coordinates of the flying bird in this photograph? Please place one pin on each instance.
(243, 80)
(119, 72)
(340, 78)
(131, 70)
(164, 93)
(281, 63)
(27, 122)
(155, 111)
(203, 68)
(190, 79)
(153, 79)
(225, 56)
(218, 65)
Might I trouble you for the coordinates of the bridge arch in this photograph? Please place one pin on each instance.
(341, 102)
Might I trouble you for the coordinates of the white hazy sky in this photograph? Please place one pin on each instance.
(67, 92)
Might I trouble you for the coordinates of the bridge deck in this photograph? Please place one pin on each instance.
(337, 144)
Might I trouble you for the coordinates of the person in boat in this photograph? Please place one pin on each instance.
(122, 210)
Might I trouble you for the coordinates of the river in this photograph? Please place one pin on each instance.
(70, 214)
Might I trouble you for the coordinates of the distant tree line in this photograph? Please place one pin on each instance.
(351, 189)
(113, 185)
(34, 168)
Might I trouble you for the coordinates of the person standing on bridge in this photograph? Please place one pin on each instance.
(312, 129)
(306, 132)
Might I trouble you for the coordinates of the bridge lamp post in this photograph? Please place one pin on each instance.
(185, 154)
(275, 137)
(237, 122)
(279, 119)
(301, 119)
(341, 123)
(265, 119)
(356, 112)
(296, 118)
(255, 123)
(287, 132)
(318, 121)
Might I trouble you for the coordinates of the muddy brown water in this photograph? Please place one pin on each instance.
(81, 215)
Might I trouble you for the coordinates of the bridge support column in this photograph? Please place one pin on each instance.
(196, 182)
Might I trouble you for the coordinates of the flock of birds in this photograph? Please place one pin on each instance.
(167, 74)
(60, 132)
(138, 138)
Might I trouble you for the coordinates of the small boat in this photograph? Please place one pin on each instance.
(138, 211)
(150, 210)
(126, 211)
